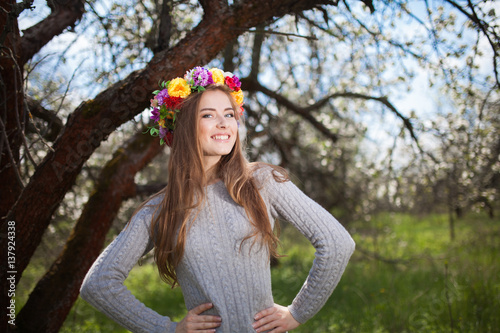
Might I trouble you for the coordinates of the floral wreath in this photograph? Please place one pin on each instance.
(167, 100)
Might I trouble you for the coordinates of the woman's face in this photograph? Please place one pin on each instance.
(217, 126)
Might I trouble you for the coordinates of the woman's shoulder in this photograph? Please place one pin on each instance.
(265, 173)
(155, 199)
(150, 206)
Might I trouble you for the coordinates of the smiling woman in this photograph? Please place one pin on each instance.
(211, 227)
(217, 126)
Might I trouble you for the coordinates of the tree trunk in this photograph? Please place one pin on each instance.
(62, 282)
(11, 109)
(11, 131)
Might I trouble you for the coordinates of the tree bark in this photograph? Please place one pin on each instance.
(62, 281)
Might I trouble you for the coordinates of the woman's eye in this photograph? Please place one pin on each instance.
(230, 115)
(206, 115)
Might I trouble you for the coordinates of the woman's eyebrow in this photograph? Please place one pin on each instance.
(213, 109)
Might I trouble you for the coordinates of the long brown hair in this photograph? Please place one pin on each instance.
(184, 192)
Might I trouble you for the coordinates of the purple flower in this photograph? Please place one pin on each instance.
(199, 76)
(155, 114)
(162, 95)
(163, 132)
(236, 81)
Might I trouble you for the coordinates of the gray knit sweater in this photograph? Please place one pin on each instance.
(214, 268)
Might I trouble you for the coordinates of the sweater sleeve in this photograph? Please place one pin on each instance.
(334, 246)
(103, 285)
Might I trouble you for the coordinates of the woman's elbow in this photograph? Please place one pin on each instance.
(343, 245)
(89, 288)
(347, 243)
(351, 244)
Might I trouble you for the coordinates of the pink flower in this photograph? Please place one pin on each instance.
(233, 83)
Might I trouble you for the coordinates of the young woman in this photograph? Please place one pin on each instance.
(211, 228)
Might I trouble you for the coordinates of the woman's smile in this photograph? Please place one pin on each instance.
(221, 137)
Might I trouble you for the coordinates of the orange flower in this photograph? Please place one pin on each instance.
(217, 75)
(178, 87)
(238, 96)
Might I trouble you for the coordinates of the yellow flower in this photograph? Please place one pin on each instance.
(217, 75)
(178, 87)
(161, 122)
(238, 96)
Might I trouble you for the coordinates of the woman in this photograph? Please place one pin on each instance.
(211, 228)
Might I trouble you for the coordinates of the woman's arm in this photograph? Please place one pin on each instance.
(332, 242)
(103, 286)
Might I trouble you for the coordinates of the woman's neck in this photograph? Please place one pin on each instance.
(209, 162)
(210, 166)
(211, 175)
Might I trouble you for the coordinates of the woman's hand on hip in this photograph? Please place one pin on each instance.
(196, 322)
(275, 319)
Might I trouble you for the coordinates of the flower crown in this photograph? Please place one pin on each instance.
(167, 101)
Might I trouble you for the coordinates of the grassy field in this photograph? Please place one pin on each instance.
(406, 276)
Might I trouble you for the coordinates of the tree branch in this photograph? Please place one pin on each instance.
(149, 189)
(12, 164)
(272, 32)
(253, 86)
(165, 29)
(406, 121)
(54, 123)
(392, 261)
(256, 52)
(483, 27)
(305, 112)
(64, 14)
(11, 16)
(213, 7)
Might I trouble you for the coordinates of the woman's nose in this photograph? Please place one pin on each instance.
(222, 122)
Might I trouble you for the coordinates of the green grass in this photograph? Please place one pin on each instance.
(406, 276)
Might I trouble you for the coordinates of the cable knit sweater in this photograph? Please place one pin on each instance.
(214, 269)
